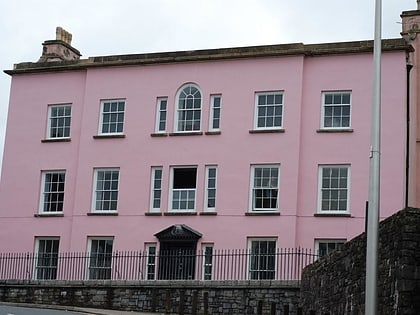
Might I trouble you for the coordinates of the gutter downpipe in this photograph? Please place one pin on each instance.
(371, 290)
(409, 66)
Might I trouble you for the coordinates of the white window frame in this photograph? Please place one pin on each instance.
(208, 188)
(171, 195)
(37, 267)
(151, 261)
(320, 187)
(65, 117)
(256, 110)
(88, 267)
(252, 187)
(178, 110)
(154, 188)
(213, 110)
(118, 112)
(44, 193)
(340, 241)
(324, 106)
(161, 114)
(205, 263)
(250, 256)
(95, 189)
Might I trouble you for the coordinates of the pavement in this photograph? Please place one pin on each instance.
(94, 311)
(82, 310)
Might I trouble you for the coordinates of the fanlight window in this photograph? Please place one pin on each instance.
(189, 109)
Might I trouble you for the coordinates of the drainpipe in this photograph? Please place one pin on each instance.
(409, 66)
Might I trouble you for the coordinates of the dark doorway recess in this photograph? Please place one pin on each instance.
(177, 254)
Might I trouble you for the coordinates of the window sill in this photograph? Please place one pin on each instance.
(267, 131)
(159, 134)
(108, 136)
(192, 133)
(211, 213)
(345, 215)
(179, 213)
(102, 213)
(55, 140)
(59, 214)
(262, 213)
(343, 130)
(211, 133)
(153, 214)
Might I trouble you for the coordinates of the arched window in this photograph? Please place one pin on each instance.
(188, 114)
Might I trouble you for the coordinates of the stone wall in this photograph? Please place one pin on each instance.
(336, 284)
(169, 297)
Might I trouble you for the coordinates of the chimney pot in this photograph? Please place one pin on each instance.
(63, 35)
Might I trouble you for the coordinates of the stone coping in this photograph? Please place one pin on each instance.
(157, 284)
(294, 49)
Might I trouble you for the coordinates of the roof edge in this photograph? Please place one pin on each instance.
(278, 50)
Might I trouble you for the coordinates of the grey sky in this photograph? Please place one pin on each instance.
(106, 27)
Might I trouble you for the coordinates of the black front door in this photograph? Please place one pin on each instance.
(177, 254)
(177, 260)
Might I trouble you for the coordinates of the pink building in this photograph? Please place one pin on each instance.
(250, 147)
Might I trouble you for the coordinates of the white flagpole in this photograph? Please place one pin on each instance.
(371, 298)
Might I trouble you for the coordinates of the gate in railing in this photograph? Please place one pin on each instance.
(210, 264)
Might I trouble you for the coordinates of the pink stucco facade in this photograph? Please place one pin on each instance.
(297, 149)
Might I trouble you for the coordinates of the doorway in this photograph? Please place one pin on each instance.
(178, 253)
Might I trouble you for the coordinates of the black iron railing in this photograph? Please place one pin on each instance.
(281, 264)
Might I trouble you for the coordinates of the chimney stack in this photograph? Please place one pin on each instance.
(59, 49)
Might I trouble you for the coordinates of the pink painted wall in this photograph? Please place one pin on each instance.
(351, 73)
(410, 30)
(299, 150)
